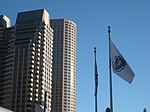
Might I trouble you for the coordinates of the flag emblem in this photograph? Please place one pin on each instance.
(120, 63)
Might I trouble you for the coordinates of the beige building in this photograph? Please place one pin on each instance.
(64, 66)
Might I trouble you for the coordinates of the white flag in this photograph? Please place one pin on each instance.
(119, 64)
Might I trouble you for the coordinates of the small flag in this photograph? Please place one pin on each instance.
(119, 64)
(96, 75)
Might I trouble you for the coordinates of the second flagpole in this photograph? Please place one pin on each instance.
(110, 74)
(96, 80)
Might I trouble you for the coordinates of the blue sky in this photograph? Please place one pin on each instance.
(130, 25)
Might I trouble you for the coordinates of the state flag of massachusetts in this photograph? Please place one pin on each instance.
(119, 64)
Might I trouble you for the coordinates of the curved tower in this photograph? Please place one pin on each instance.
(64, 66)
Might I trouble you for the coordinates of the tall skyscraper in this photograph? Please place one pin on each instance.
(64, 66)
(7, 35)
(28, 65)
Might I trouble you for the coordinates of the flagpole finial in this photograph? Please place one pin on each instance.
(109, 29)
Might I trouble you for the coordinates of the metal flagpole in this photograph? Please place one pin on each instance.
(95, 103)
(110, 74)
(96, 80)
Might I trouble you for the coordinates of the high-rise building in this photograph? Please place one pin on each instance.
(27, 62)
(7, 35)
(64, 66)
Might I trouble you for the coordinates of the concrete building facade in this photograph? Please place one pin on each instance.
(38, 63)
(64, 66)
(7, 38)
(31, 58)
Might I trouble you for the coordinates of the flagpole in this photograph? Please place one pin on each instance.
(110, 74)
(95, 103)
(95, 82)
